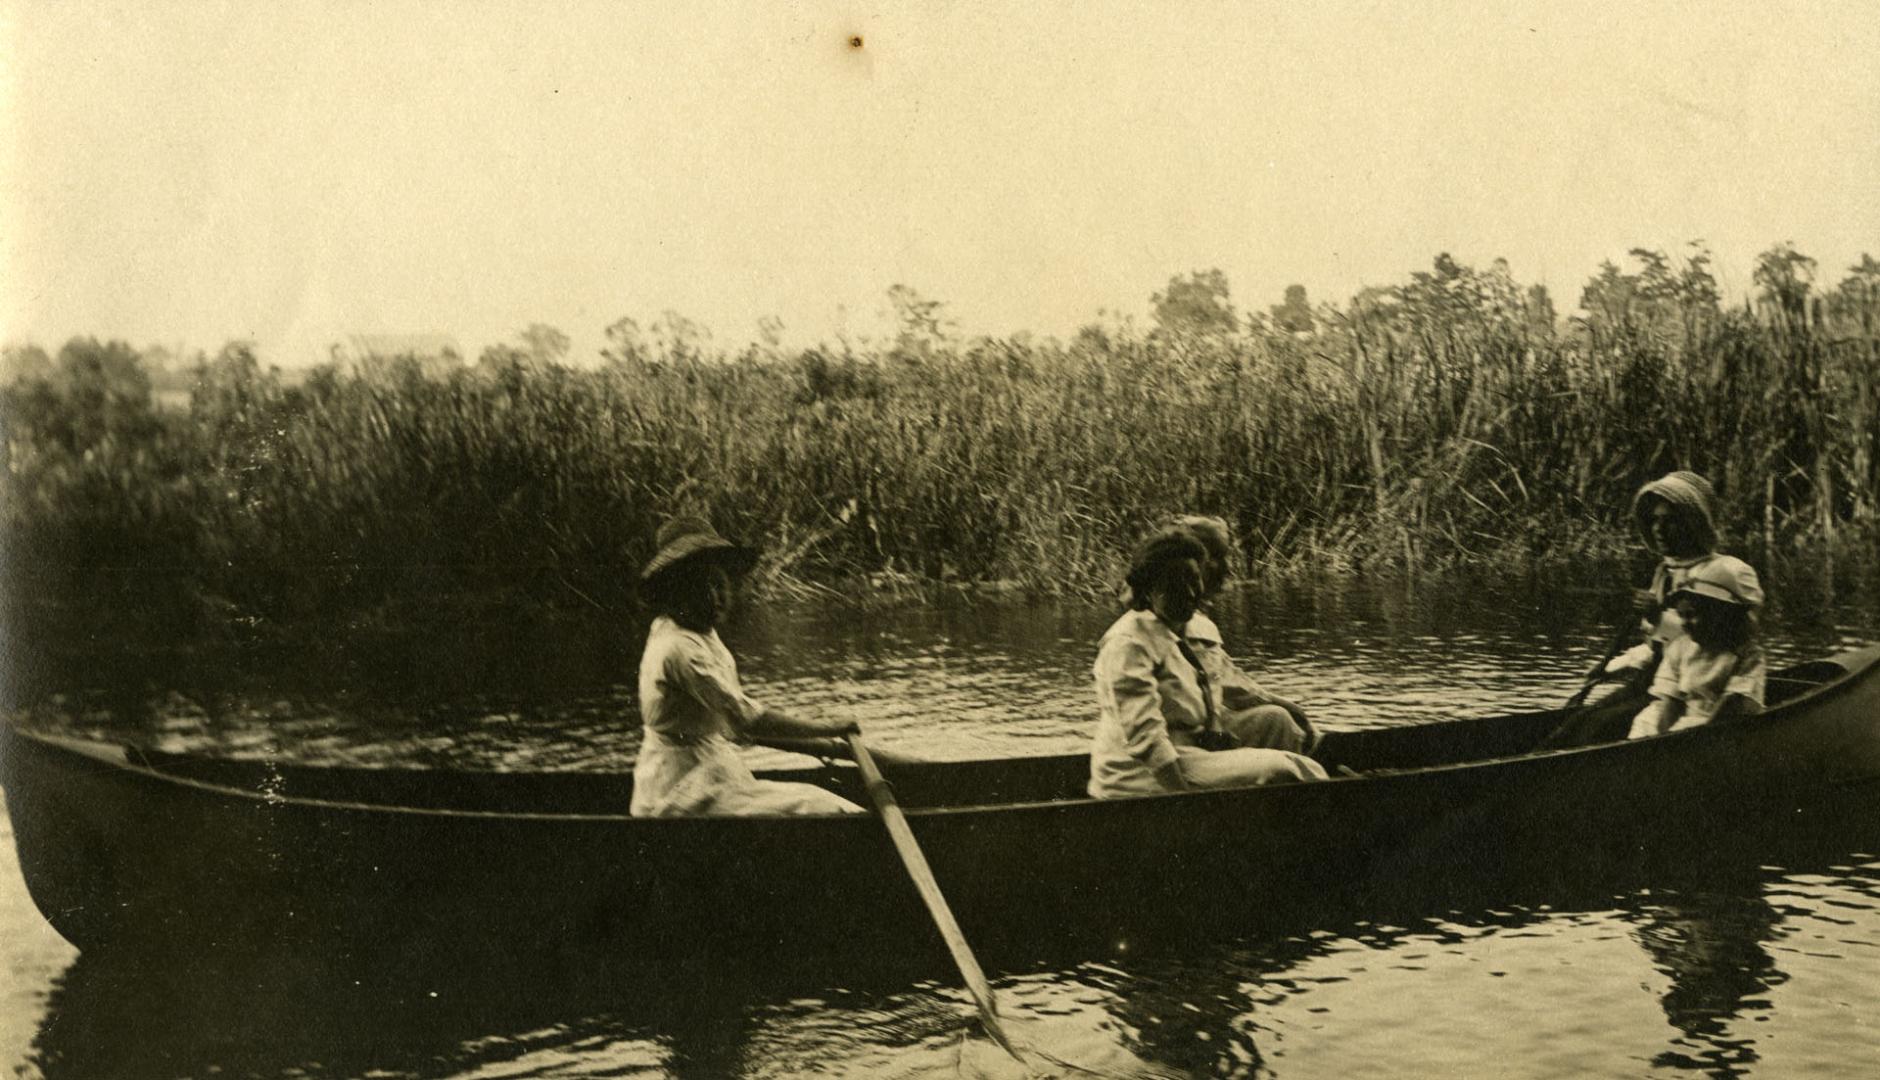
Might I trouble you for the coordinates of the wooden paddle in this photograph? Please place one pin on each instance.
(1569, 731)
(1627, 627)
(882, 796)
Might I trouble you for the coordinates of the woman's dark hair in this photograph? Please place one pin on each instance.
(1157, 558)
(1214, 535)
(1723, 625)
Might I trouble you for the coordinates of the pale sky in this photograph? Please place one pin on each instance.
(291, 172)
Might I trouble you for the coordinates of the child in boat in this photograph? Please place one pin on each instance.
(1250, 714)
(692, 706)
(1713, 671)
(1676, 515)
(1154, 705)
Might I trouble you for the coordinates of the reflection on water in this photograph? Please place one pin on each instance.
(1752, 956)
(1473, 983)
(1710, 945)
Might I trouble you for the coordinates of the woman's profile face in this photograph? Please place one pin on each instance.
(1175, 597)
(718, 592)
(1213, 575)
(1673, 531)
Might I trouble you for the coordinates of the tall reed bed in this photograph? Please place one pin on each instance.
(508, 496)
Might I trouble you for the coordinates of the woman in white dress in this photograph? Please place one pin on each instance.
(692, 707)
(1157, 717)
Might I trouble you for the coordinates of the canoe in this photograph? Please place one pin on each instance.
(125, 847)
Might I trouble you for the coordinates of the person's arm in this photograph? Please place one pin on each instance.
(1126, 686)
(775, 723)
(1748, 682)
(837, 748)
(1743, 693)
(705, 679)
(780, 730)
(1299, 717)
(1656, 718)
(1667, 698)
(1240, 690)
(1633, 659)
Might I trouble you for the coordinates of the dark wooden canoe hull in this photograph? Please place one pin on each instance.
(125, 847)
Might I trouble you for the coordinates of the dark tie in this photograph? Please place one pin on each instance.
(1201, 677)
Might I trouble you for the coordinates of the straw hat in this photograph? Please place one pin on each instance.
(688, 539)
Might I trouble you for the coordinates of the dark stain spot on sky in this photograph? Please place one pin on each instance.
(855, 42)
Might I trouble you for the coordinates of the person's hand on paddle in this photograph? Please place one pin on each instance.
(838, 733)
(886, 757)
(781, 730)
(891, 759)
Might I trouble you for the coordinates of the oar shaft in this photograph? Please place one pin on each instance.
(1568, 731)
(1619, 636)
(922, 875)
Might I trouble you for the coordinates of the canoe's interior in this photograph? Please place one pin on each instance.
(963, 783)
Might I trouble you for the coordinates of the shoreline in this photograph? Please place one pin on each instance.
(464, 640)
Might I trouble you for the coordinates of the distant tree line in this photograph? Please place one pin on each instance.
(1453, 418)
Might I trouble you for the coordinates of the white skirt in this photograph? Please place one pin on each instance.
(710, 777)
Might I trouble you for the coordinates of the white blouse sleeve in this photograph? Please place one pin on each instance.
(1668, 681)
(1751, 675)
(1126, 688)
(695, 671)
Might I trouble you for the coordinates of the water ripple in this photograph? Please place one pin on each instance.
(1761, 966)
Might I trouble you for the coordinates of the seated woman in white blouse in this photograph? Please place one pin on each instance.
(1252, 714)
(1155, 708)
(692, 707)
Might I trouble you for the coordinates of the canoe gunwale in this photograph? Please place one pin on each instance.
(1857, 665)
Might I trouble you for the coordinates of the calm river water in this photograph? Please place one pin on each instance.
(1762, 960)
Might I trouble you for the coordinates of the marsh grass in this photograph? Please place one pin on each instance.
(508, 502)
